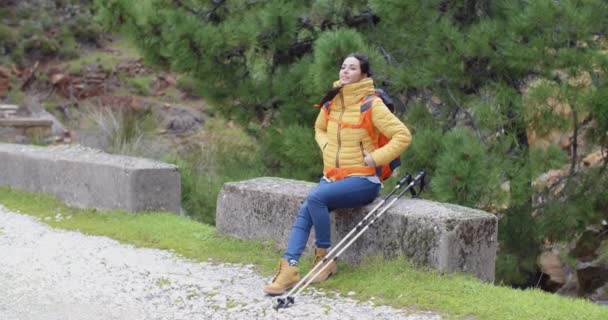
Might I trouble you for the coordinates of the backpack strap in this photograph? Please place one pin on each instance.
(367, 102)
(325, 107)
(365, 121)
(342, 124)
(366, 117)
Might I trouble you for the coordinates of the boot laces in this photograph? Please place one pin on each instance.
(318, 258)
(277, 272)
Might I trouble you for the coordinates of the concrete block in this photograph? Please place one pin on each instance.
(84, 177)
(446, 237)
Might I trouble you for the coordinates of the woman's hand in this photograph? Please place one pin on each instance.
(368, 159)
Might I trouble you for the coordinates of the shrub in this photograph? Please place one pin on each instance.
(292, 152)
(228, 154)
(8, 40)
(141, 85)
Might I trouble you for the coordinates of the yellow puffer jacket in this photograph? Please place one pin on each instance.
(343, 147)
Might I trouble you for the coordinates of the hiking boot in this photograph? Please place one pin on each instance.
(331, 269)
(286, 277)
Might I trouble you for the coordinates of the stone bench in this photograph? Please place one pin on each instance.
(8, 110)
(446, 237)
(85, 177)
(23, 122)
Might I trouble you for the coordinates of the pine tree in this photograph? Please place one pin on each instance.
(470, 79)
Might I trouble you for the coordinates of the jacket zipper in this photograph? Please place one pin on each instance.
(362, 150)
(340, 129)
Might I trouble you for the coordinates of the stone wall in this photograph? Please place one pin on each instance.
(446, 237)
(85, 177)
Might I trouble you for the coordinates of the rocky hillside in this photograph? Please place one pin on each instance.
(70, 83)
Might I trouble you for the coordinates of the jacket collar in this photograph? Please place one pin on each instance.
(355, 92)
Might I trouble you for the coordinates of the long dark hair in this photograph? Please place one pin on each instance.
(365, 68)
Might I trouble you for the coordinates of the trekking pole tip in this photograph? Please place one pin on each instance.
(283, 303)
(278, 303)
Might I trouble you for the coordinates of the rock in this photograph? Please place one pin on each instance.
(444, 236)
(551, 265)
(600, 295)
(182, 119)
(586, 246)
(5, 83)
(570, 288)
(594, 159)
(591, 276)
(161, 83)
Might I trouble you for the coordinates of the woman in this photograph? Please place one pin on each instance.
(350, 161)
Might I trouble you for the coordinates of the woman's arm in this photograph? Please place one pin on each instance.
(387, 123)
(321, 130)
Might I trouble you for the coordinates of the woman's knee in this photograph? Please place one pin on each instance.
(316, 196)
(304, 213)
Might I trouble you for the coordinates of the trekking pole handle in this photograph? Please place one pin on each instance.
(405, 180)
(412, 183)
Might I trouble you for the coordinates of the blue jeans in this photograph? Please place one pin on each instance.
(326, 196)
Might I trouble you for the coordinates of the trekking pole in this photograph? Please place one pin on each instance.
(406, 179)
(290, 299)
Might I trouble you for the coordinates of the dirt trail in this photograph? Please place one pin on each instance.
(49, 274)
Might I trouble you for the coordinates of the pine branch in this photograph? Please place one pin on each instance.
(358, 21)
(232, 53)
(365, 18)
(292, 53)
(300, 48)
(387, 56)
(305, 23)
(572, 173)
(574, 142)
(572, 170)
(295, 50)
(209, 14)
(180, 4)
(459, 108)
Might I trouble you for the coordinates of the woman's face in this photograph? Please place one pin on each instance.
(350, 72)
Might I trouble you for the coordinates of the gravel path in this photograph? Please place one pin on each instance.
(49, 274)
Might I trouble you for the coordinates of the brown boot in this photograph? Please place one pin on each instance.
(286, 277)
(329, 270)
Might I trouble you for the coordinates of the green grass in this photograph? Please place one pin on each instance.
(141, 85)
(147, 229)
(395, 283)
(105, 61)
(127, 49)
(457, 294)
(123, 51)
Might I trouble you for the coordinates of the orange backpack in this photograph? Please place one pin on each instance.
(365, 121)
